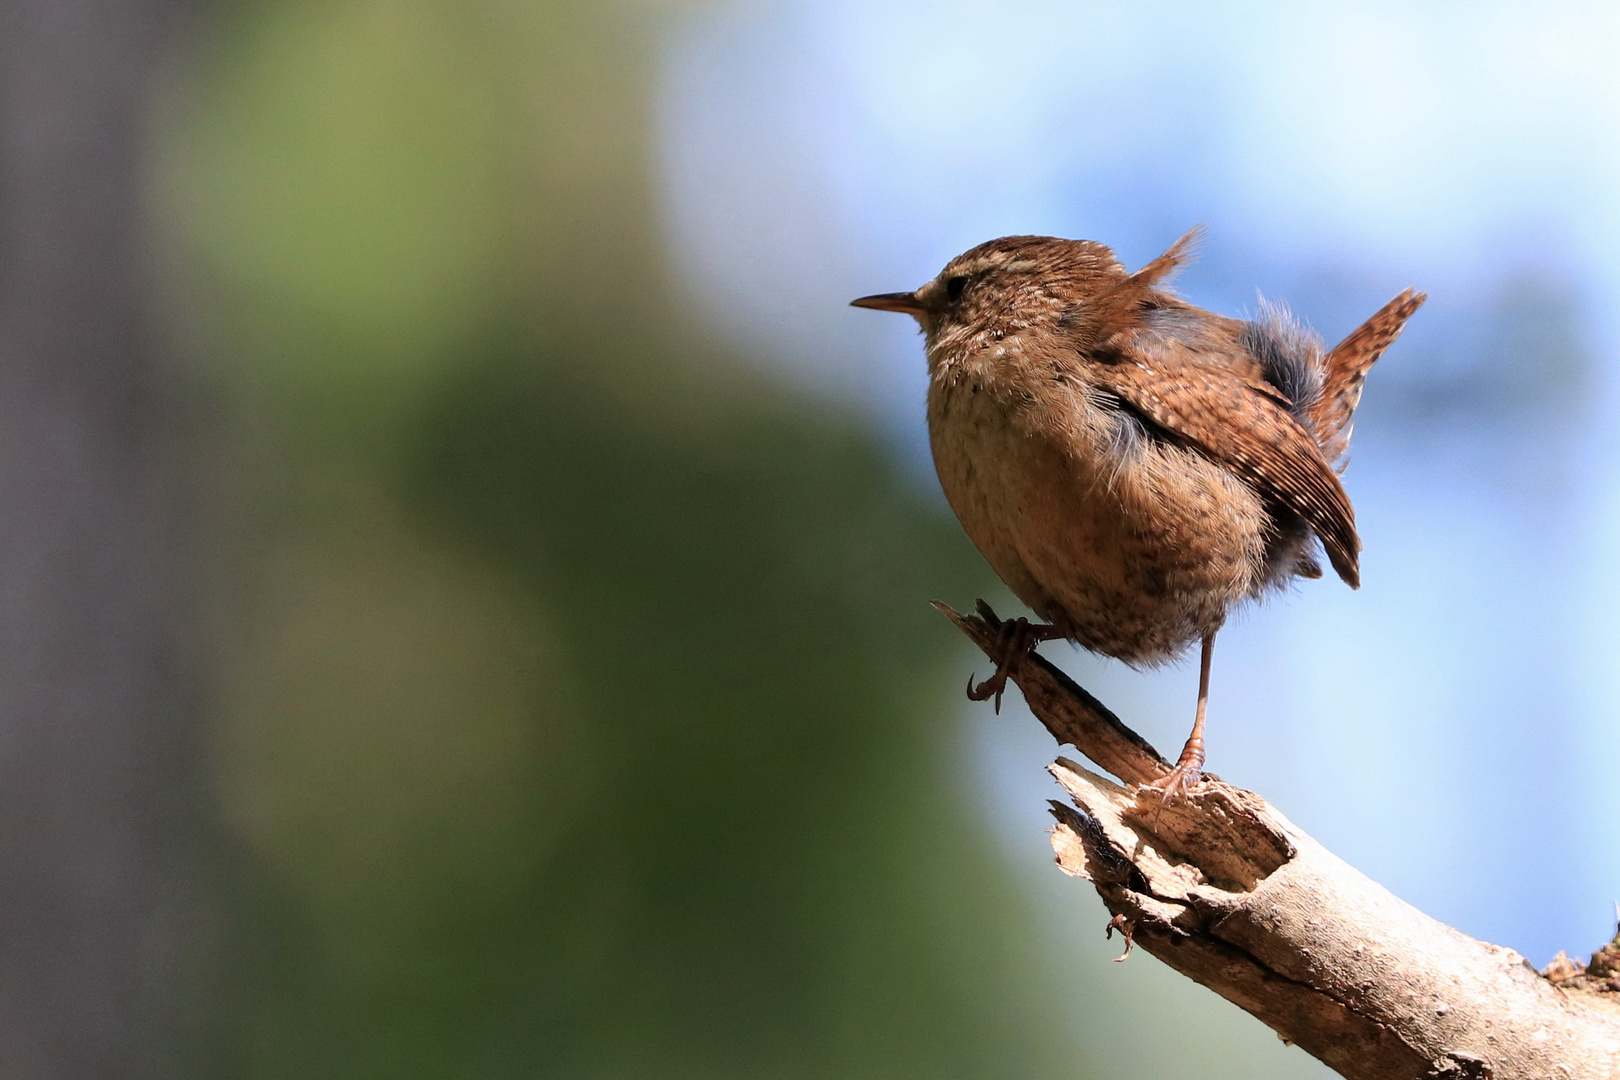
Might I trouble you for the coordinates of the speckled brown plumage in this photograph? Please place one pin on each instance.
(1130, 465)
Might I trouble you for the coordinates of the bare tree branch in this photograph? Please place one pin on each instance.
(1230, 893)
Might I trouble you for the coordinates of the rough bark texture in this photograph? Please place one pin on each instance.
(93, 721)
(1228, 892)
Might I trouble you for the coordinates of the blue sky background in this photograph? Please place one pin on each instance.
(1450, 728)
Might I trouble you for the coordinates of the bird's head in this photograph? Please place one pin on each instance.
(1003, 287)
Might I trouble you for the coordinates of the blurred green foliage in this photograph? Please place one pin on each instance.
(582, 713)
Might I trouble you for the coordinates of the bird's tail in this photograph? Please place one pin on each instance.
(1344, 370)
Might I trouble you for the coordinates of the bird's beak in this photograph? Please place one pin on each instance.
(904, 302)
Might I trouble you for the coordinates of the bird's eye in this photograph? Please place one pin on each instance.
(954, 287)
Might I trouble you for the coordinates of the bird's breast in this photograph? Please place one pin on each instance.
(1136, 546)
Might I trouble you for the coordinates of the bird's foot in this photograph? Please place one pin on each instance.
(1175, 785)
(1015, 640)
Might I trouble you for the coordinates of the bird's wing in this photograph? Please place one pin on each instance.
(1242, 424)
(1118, 308)
(1178, 255)
(1345, 368)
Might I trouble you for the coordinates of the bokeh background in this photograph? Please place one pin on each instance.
(508, 652)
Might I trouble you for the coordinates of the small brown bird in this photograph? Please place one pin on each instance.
(1132, 466)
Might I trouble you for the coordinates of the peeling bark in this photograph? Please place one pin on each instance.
(1227, 891)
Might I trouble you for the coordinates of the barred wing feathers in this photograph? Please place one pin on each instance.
(1241, 423)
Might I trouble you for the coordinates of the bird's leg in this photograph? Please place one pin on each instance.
(1015, 640)
(1190, 766)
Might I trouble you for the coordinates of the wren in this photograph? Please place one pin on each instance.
(1131, 466)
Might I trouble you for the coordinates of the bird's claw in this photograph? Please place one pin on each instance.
(1175, 785)
(1015, 640)
(994, 687)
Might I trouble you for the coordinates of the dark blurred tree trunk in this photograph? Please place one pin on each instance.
(94, 719)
